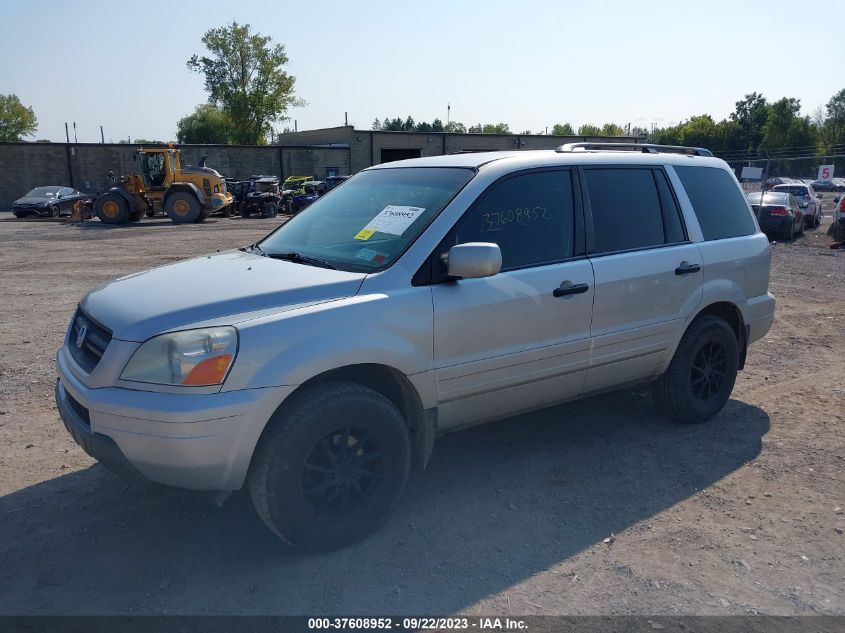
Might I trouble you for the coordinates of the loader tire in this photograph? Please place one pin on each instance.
(182, 207)
(111, 208)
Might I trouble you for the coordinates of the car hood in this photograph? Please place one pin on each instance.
(29, 202)
(226, 287)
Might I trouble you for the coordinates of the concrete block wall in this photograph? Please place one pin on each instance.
(24, 166)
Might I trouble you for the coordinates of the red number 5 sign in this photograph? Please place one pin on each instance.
(825, 172)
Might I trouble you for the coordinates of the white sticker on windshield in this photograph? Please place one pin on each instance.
(393, 220)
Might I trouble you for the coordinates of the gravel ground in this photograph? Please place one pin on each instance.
(596, 507)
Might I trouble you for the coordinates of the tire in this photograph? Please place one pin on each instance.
(136, 216)
(182, 207)
(244, 210)
(112, 208)
(150, 213)
(787, 232)
(801, 227)
(685, 391)
(289, 206)
(229, 210)
(270, 210)
(301, 487)
(204, 213)
(55, 212)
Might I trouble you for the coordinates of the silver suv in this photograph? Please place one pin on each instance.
(317, 366)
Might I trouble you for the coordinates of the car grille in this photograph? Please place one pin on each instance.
(87, 341)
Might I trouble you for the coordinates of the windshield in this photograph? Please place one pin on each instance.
(369, 222)
(43, 192)
(795, 191)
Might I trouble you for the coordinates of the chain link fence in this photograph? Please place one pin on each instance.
(776, 170)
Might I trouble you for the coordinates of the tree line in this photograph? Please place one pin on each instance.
(249, 91)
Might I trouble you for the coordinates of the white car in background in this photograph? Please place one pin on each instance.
(808, 200)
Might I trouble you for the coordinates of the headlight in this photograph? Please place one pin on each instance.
(192, 358)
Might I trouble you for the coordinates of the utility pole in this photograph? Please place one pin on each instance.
(346, 118)
(295, 127)
(75, 140)
(102, 136)
(448, 113)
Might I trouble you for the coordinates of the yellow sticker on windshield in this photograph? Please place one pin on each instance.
(364, 234)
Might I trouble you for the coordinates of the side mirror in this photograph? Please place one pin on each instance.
(474, 260)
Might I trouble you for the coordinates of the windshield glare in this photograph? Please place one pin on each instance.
(366, 224)
(43, 192)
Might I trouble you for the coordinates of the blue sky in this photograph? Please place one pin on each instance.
(529, 63)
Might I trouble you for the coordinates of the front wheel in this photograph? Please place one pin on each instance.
(55, 212)
(331, 466)
(270, 210)
(112, 208)
(702, 373)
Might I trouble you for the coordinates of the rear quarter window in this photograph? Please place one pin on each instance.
(719, 205)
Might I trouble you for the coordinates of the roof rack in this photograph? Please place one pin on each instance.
(645, 148)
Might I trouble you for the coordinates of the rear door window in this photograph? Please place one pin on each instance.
(626, 209)
(719, 205)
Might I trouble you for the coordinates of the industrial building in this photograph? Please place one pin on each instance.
(371, 147)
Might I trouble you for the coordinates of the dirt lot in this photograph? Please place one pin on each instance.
(740, 515)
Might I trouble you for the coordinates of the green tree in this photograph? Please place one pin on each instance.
(495, 128)
(781, 116)
(437, 125)
(455, 127)
(245, 77)
(423, 127)
(207, 124)
(836, 117)
(589, 130)
(750, 114)
(376, 124)
(563, 129)
(611, 129)
(700, 131)
(393, 125)
(408, 125)
(16, 120)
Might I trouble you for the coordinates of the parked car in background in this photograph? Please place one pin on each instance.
(779, 215)
(808, 200)
(47, 202)
(824, 185)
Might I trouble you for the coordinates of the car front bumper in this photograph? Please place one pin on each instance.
(196, 441)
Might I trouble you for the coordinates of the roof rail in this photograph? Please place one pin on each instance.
(645, 148)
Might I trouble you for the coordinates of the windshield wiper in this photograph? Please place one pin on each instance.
(300, 259)
(253, 248)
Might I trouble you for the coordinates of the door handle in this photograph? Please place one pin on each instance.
(686, 268)
(575, 289)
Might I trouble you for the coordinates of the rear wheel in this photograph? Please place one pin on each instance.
(182, 207)
(112, 208)
(244, 210)
(702, 373)
(270, 210)
(331, 466)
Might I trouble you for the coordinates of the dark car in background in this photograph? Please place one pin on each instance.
(47, 202)
(779, 215)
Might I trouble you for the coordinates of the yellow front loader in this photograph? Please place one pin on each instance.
(186, 193)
